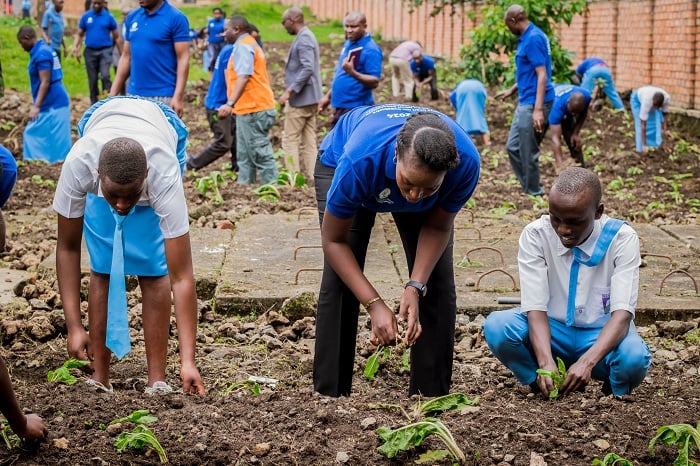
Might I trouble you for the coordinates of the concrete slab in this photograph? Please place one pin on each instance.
(688, 234)
(277, 256)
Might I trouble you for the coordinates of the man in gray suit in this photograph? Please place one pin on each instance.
(302, 79)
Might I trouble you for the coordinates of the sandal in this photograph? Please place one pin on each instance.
(158, 388)
(99, 386)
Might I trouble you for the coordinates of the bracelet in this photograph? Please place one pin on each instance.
(371, 301)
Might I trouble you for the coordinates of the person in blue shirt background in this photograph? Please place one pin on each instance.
(566, 119)
(47, 135)
(215, 36)
(593, 70)
(533, 81)
(423, 69)
(357, 74)
(156, 55)
(422, 167)
(101, 33)
(53, 26)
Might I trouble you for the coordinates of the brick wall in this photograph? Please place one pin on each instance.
(644, 41)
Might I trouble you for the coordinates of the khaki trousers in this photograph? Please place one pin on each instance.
(299, 139)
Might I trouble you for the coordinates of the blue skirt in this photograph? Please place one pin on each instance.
(144, 248)
(654, 124)
(48, 138)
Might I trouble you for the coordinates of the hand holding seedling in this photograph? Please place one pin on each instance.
(78, 345)
(545, 377)
(33, 431)
(384, 327)
(408, 312)
(577, 377)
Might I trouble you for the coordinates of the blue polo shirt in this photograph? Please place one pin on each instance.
(41, 58)
(589, 63)
(98, 28)
(422, 70)
(348, 92)
(215, 28)
(533, 51)
(9, 174)
(361, 148)
(153, 60)
(58, 26)
(216, 94)
(559, 108)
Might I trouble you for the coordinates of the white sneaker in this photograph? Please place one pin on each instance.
(158, 388)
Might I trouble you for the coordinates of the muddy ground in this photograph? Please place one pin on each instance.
(287, 423)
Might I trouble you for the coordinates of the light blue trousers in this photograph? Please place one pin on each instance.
(595, 73)
(506, 333)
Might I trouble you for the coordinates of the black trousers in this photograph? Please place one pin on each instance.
(224, 130)
(338, 309)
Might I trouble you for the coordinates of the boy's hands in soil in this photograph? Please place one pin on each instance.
(191, 380)
(384, 328)
(408, 312)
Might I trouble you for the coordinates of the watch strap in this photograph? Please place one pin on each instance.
(422, 289)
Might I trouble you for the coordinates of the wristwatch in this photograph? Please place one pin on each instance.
(422, 289)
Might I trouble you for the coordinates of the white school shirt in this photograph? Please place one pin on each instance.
(144, 122)
(646, 100)
(544, 265)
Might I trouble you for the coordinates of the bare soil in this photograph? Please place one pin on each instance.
(289, 424)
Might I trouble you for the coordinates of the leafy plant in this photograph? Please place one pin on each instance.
(63, 375)
(557, 377)
(286, 177)
(491, 39)
(268, 192)
(138, 439)
(450, 402)
(43, 182)
(403, 438)
(372, 364)
(612, 459)
(253, 386)
(140, 416)
(208, 186)
(11, 439)
(504, 208)
(685, 437)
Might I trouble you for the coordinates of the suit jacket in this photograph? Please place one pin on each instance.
(302, 72)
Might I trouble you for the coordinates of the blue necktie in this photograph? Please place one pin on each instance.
(612, 226)
(118, 339)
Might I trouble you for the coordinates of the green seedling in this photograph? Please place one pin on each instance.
(557, 376)
(253, 386)
(441, 404)
(44, 182)
(286, 177)
(138, 439)
(372, 365)
(685, 437)
(268, 192)
(140, 416)
(63, 375)
(612, 459)
(209, 186)
(11, 440)
(412, 435)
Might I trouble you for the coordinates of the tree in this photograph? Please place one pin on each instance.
(491, 41)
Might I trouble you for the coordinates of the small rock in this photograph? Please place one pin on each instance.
(225, 225)
(537, 460)
(601, 443)
(300, 306)
(663, 355)
(261, 449)
(368, 422)
(200, 447)
(39, 304)
(673, 328)
(114, 429)
(61, 443)
(342, 457)
(509, 458)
